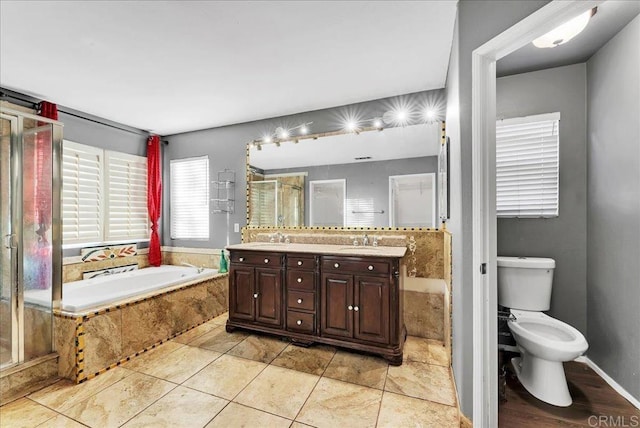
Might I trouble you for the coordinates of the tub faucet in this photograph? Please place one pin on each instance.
(199, 269)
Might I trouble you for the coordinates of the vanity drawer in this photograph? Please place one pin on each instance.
(304, 280)
(300, 321)
(300, 262)
(259, 259)
(300, 300)
(344, 264)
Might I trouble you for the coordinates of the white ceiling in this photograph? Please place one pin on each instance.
(392, 143)
(175, 66)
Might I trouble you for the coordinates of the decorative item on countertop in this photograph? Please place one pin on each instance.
(224, 267)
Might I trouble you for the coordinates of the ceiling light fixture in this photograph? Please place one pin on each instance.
(377, 123)
(565, 32)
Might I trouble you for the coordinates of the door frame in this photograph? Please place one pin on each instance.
(344, 199)
(392, 211)
(484, 224)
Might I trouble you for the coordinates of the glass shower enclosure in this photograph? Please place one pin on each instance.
(274, 203)
(30, 228)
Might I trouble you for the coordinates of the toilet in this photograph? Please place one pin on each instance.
(524, 286)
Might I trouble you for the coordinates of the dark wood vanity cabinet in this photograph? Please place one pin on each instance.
(255, 288)
(346, 301)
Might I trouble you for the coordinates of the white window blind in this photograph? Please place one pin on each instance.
(126, 208)
(527, 166)
(190, 198)
(82, 195)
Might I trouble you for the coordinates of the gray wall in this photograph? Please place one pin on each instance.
(366, 179)
(613, 223)
(226, 148)
(563, 238)
(478, 22)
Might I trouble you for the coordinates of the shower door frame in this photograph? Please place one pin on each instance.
(16, 119)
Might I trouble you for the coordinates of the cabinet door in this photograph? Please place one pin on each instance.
(371, 309)
(241, 300)
(337, 297)
(269, 301)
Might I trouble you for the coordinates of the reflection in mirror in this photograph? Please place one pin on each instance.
(375, 178)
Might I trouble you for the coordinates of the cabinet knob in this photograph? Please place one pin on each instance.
(350, 307)
(266, 260)
(299, 300)
(336, 265)
(370, 267)
(299, 262)
(299, 280)
(299, 322)
(241, 259)
(255, 295)
(355, 308)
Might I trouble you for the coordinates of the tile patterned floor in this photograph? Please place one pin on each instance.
(210, 378)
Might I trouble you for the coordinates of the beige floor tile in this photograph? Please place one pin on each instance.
(398, 411)
(220, 319)
(156, 354)
(427, 351)
(259, 348)
(360, 369)
(61, 421)
(338, 404)
(181, 364)
(182, 407)
(195, 332)
(24, 413)
(419, 380)
(118, 403)
(278, 391)
(299, 425)
(65, 393)
(219, 340)
(226, 376)
(314, 359)
(238, 416)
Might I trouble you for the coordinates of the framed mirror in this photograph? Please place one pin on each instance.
(374, 178)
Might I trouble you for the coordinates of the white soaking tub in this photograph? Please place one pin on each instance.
(78, 296)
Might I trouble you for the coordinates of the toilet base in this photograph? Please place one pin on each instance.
(544, 379)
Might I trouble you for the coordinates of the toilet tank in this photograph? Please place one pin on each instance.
(525, 282)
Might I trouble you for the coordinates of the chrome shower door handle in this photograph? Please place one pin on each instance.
(9, 241)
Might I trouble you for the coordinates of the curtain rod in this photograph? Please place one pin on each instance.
(34, 105)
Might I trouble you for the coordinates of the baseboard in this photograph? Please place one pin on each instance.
(615, 385)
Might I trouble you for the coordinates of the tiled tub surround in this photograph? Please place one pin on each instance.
(89, 343)
(427, 311)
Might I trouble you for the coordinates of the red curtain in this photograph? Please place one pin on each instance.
(154, 196)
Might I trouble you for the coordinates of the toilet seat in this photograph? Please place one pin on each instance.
(542, 331)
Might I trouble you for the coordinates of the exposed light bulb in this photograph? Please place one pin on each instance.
(401, 116)
(377, 123)
(282, 133)
(350, 125)
(304, 130)
(565, 32)
(266, 139)
(430, 115)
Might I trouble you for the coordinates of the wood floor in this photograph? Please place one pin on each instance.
(595, 404)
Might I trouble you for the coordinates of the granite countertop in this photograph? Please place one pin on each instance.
(326, 249)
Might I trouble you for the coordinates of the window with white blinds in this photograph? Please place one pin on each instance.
(104, 196)
(126, 197)
(190, 198)
(527, 166)
(82, 196)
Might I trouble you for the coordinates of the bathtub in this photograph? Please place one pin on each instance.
(82, 295)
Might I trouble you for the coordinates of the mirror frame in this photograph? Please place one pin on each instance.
(442, 224)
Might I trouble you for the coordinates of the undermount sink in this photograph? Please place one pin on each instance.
(359, 249)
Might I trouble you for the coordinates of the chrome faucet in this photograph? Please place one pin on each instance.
(199, 269)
